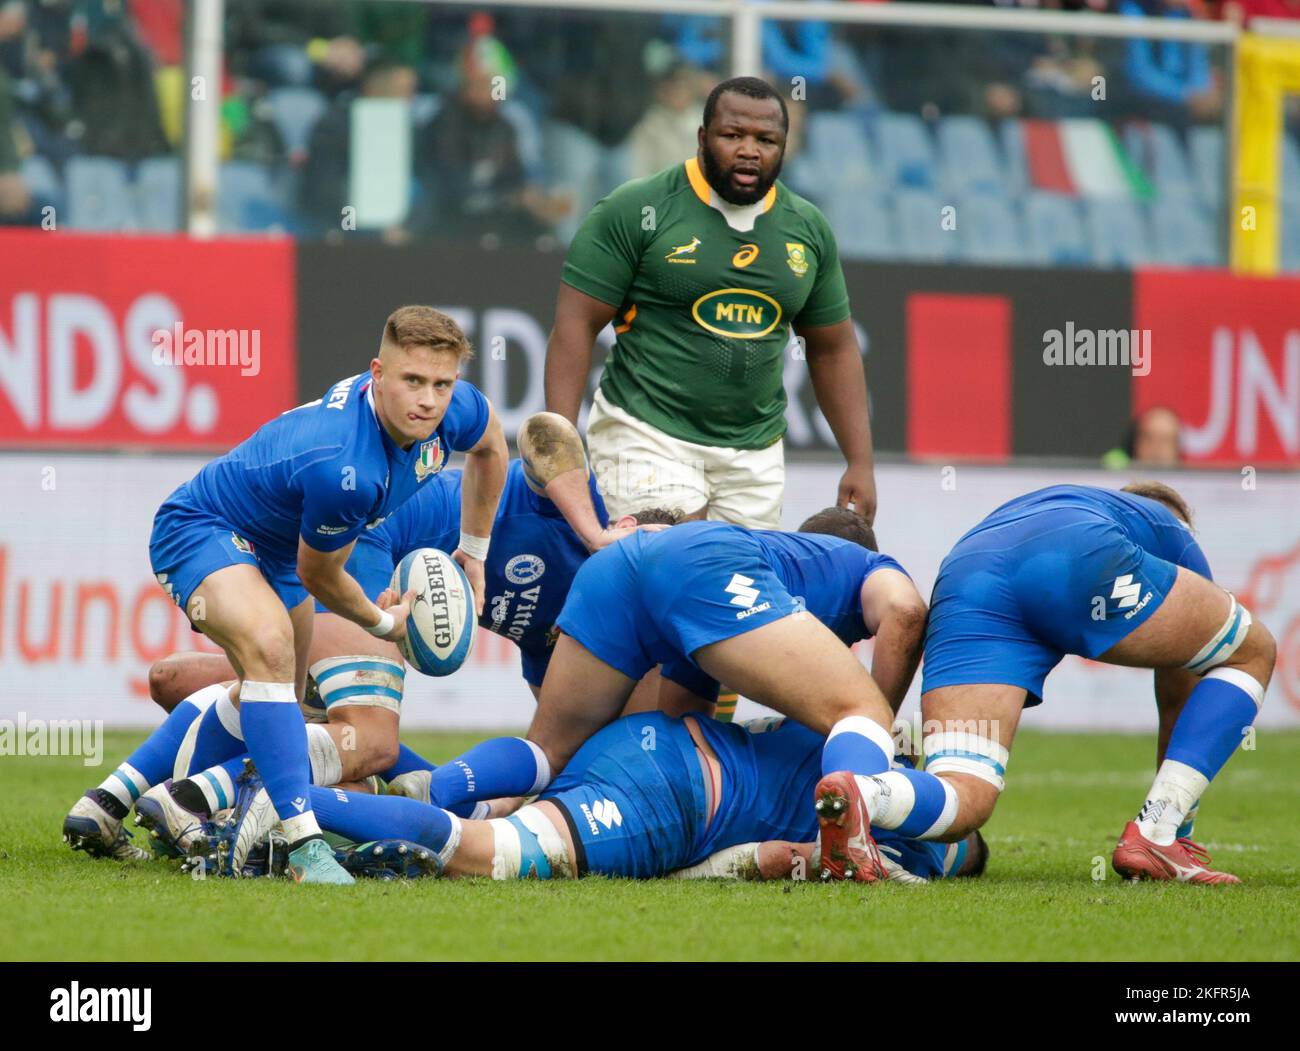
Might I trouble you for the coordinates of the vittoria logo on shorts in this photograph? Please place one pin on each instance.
(524, 569)
(243, 545)
(432, 457)
(738, 313)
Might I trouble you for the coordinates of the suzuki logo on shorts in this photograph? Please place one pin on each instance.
(1126, 591)
(742, 590)
(606, 812)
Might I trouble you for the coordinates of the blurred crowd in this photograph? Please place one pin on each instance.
(523, 113)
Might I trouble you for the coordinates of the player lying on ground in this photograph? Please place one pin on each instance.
(647, 796)
(248, 544)
(714, 602)
(539, 541)
(1112, 576)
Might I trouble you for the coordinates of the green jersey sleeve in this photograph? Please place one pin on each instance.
(604, 255)
(828, 303)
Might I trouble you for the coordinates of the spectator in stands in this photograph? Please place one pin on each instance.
(477, 182)
(15, 201)
(287, 42)
(324, 184)
(667, 132)
(1172, 80)
(1153, 441)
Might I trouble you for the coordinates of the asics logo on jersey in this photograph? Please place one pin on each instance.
(1126, 591)
(745, 255)
(742, 590)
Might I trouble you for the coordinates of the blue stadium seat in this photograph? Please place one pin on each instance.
(863, 225)
(1206, 145)
(1183, 235)
(158, 193)
(969, 158)
(1118, 234)
(920, 235)
(1011, 137)
(1167, 164)
(838, 151)
(43, 183)
(294, 112)
(1053, 230)
(1290, 171)
(248, 199)
(905, 150)
(99, 194)
(989, 231)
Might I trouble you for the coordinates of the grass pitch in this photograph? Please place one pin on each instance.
(1066, 803)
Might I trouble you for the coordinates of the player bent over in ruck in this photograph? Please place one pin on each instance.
(1112, 576)
(247, 544)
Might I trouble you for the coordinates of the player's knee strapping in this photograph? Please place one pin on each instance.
(370, 682)
(527, 844)
(1226, 641)
(966, 753)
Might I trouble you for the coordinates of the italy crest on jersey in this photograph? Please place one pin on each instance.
(431, 459)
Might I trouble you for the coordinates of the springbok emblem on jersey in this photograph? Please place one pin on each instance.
(676, 255)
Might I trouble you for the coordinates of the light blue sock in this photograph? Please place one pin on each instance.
(1210, 726)
(364, 817)
(858, 745)
(495, 769)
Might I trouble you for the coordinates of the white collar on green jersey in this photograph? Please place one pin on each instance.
(739, 217)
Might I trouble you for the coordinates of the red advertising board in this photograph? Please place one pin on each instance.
(1225, 356)
(151, 341)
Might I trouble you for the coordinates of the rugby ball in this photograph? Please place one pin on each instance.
(440, 630)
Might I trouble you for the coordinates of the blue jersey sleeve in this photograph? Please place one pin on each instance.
(879, 561)
(1193, 558)
(466, 418)
(334, 513)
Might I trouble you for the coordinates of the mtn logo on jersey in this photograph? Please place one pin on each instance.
(432, 458)
(680, 253)
(742, 590)
(737, 313)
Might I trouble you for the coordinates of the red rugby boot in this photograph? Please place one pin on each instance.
(848, 851)
(1136, 857)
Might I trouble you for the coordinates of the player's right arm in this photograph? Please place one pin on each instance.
(894, 612)
(578, 320)
(323, 574)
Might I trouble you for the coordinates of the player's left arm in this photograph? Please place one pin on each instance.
(481, 484)
(894, 612)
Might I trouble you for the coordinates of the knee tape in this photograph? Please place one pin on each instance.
(368, 682)
(962, 753)
(1226, 641)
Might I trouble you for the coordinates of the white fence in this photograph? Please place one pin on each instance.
(81, 617)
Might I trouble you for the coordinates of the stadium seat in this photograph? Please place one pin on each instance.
(158, 194)
(43, 182)
(989, 231)
(1015, 160)
(1206, 146)
(1053, 230)
(294, 112)
(920, 235)
(1290, 171)
(248, 200)
(1162, 156)
(838, 152)
(99, 194)
(1118, 234)
(1183, 235)
(905, 150)
(969, 158)
(863, 225)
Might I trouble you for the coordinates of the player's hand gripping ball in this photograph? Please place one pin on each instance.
(440, 631)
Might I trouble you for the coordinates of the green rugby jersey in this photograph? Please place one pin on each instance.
(704, 309)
